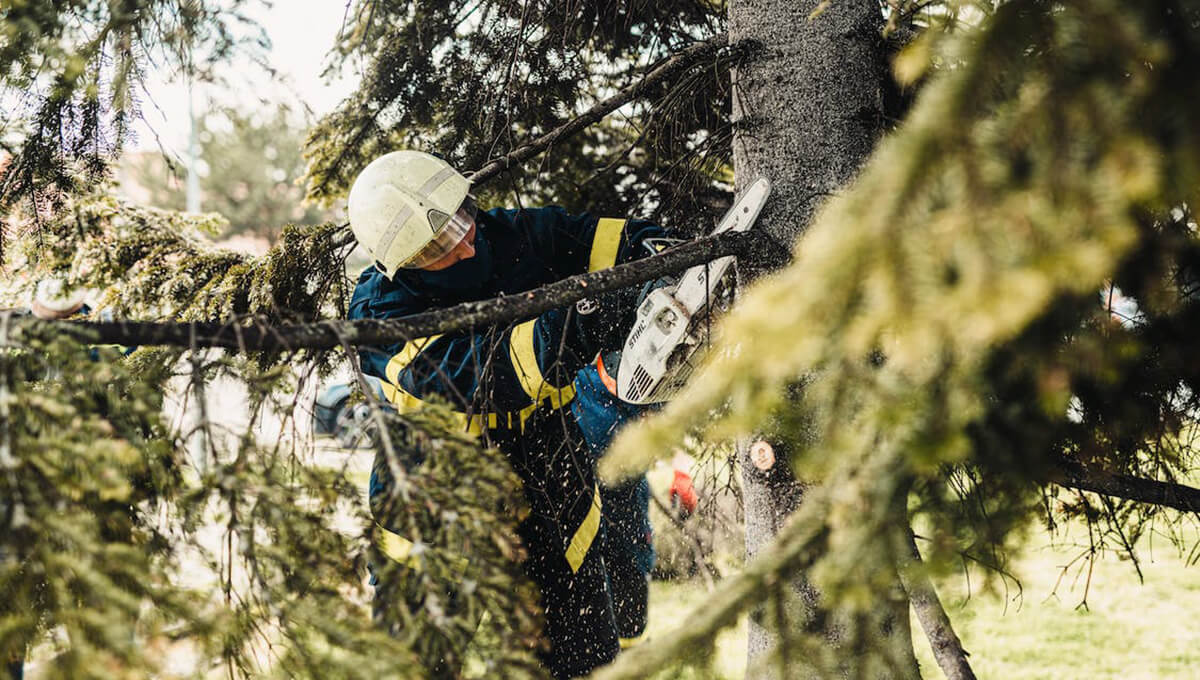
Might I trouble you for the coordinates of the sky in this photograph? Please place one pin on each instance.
(301, 33)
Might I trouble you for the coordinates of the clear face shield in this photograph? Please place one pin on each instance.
(448, 237)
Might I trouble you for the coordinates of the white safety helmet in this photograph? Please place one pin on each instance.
(409, 209)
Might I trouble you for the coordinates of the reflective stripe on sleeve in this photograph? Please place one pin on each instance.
(524, 362)
(399, 549)
(406, 402)
(605, 243)
(400, 360)
(584, 535)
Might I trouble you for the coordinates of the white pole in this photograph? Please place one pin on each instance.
(193, 179)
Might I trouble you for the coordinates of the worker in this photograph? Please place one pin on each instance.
(628, 545)
(629, 539)
(413, 214)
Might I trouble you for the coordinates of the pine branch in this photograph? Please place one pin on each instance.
(682, 61)
(947, 648)
(799, 543)
(254, 334)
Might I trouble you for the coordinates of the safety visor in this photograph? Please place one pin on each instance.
(453, 231)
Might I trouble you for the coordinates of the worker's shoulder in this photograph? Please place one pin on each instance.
(543, 215)
(376, 296)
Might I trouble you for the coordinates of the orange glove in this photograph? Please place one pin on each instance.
(683, 494)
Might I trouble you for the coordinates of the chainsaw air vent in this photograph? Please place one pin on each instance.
(640, 385)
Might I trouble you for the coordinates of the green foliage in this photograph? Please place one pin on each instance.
(85, 459)
(152, 263)
(461, 600)
(291, 596)
(281, 588)
(942, 318)
(945, 309)
(72, 71)
(108, 535)
(252, 167)
(473, 81)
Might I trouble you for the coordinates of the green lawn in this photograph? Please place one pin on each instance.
(1129, 630)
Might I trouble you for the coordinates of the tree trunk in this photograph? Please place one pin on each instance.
(808, 109)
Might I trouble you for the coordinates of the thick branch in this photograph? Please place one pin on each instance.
(680, 62)
(260, 335)
(1168, 494)
(947, 648)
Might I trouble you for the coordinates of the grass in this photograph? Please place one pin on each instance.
(1127, 629)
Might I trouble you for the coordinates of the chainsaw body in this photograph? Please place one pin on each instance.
(673, 322)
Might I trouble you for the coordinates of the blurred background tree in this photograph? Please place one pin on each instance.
(249, 168)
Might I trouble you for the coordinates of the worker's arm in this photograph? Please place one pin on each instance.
(494, 369)
(574, 244)
(507, 369)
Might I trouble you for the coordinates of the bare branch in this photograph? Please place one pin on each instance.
(258, 334)
(682, 61)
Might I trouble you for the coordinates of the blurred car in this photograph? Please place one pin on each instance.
(341, 412)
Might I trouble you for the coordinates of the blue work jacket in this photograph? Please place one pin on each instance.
(496, 376)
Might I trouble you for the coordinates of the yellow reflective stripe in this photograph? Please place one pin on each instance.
(626, 643)
(584, 535)
(524, 362)
(403, 401)
(396, 547)
(605, 243)
(400, 360)
(407, 403)
(399, 549)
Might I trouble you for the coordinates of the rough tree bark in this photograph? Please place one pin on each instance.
(257, 333)
(808, 109)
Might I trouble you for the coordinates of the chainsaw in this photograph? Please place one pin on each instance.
(673, 321)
